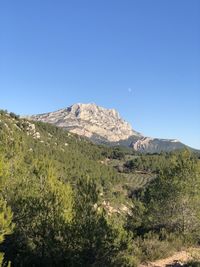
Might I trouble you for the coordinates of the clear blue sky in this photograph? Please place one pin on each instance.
(141, 57)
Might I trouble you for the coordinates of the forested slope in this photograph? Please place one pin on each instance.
(67, 202)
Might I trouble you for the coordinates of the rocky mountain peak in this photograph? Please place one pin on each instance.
(84, 111)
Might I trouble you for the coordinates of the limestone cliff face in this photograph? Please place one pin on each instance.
(90, 120)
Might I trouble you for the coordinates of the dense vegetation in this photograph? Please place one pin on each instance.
(67, 202)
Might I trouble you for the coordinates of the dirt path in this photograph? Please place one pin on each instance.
(179, 258)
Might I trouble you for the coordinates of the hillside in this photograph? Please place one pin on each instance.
(65, 201)
(73, 156)
(118, 171)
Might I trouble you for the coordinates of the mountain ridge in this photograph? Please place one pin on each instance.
(105, 126)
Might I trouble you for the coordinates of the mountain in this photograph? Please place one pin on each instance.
(91, 121)
(103, 125)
